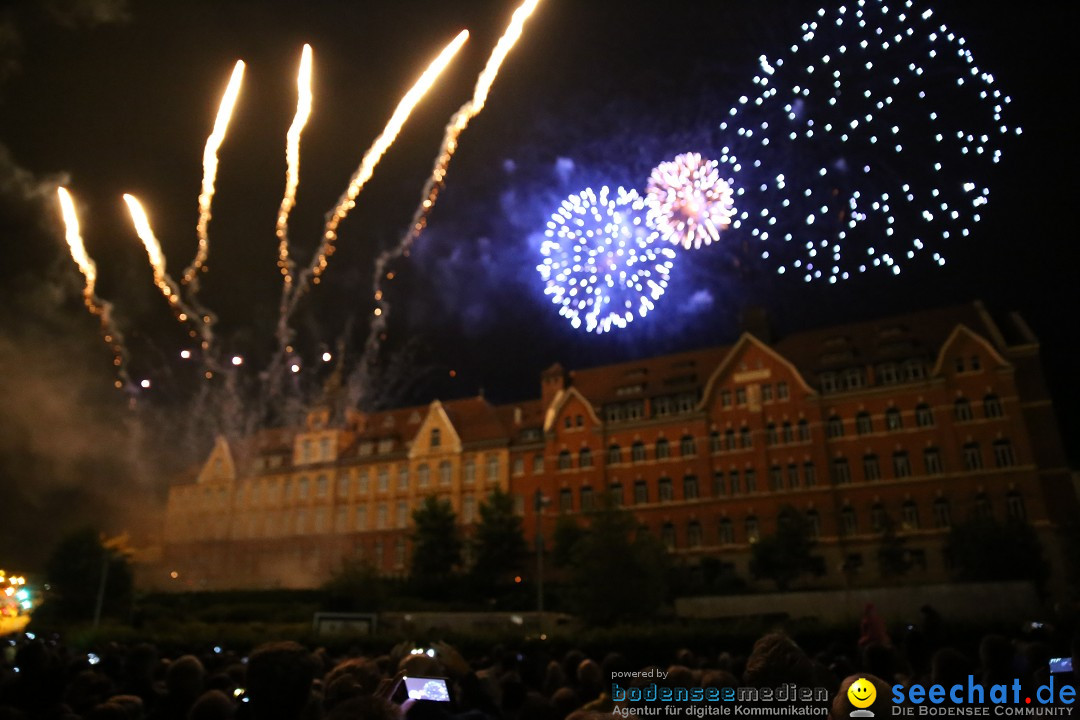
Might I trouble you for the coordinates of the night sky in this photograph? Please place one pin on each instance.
(110, 96)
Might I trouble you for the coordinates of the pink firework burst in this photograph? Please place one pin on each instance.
(689, 203)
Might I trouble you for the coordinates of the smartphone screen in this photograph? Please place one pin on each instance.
(1061, 665)
(419, 688)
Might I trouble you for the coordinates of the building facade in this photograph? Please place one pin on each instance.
(898, 427)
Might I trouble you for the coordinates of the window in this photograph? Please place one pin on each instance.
(1003, 454)
(470, 470)
(932, 460)
(982, 509)
(740, 396)
(871, 467)
(771, 438)
(992, 406)
(361, 517)
(781, 391)
(729, 439)
(641, 492)
(745, 439)
(829, 382)
(665, 490)
(1014, 506)
(789, 436)
(566, 500)
(962, 409)
(568, 422)
(403, 478)
(564, 460)
(834, 427)
(492, 468)
(848, 522)
(423, 476)
(887, 373)
(468, 509)
(690, 487)
(687, 446)
(753, 533)
(663, 450)
(975, 363)
(914, 370)
(725, 398)
(667, 536)
(614, 454)
(901, 464)
(399, 553)
(637, 451)
(380, 517)
(726, 532)
(321, 485)
(809, 474)
(893, 421)
(580, 420)
(586, 499)
(693, 534)
(303, 488)
(362, 482)
(804, 431)
(910, 514)
(766, 393)
(585, 458)
(863, 424)
(402, 514)
(841, 472)
(776, 478)
(972, 456)
(750, 475)
(718, 483)
(615, 494)
(307, 455)
(924, 416)
(538, 464)
(436, 437)
(445, 472)
(854, 379)
(941, 513)
(735, 489)
(813, 524)
(793, 476)
(878, 520)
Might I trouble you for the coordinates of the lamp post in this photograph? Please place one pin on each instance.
(540, 502)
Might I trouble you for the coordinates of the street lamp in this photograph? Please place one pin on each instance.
(540, 502)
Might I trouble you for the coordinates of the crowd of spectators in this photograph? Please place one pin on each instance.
(41, 678)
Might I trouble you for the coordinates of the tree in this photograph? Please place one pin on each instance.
(568, 533)
(76, 570)
(355, 586)
(436, 543)
(499, 543)
(618, 571)
(785, 556)
(984, 550)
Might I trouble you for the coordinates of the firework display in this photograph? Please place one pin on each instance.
(866, 143)
(689, 203)
(292, 172)
(602, 264)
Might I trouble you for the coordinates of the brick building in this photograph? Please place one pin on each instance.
(912, 422)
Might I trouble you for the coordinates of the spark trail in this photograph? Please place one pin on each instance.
(292, 172)
(459, 121)
(210, 166)
(102, 309)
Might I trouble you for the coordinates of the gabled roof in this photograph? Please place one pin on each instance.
(563, 397)
(747, 340)
(963, 331)
(475, 420)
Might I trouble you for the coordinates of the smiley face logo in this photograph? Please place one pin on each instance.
(862, 693)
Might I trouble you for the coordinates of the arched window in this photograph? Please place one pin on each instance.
(637, 451)
(864, 425)
(962, 409)
(585, 458)
(564, 460)
(687, 446)
(663, 450)
(893, 420)
(834, 427)
(848, 522)
(1003, 453)
(614, 454)
(992, 406)
(753, 532)
(924, 416)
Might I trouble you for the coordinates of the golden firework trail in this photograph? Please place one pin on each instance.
(162, 279)
(371, 158)
(101, 308)
(292, 159)
(210, 166)
(460, 120)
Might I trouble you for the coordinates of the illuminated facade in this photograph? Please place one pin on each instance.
(911, 423)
